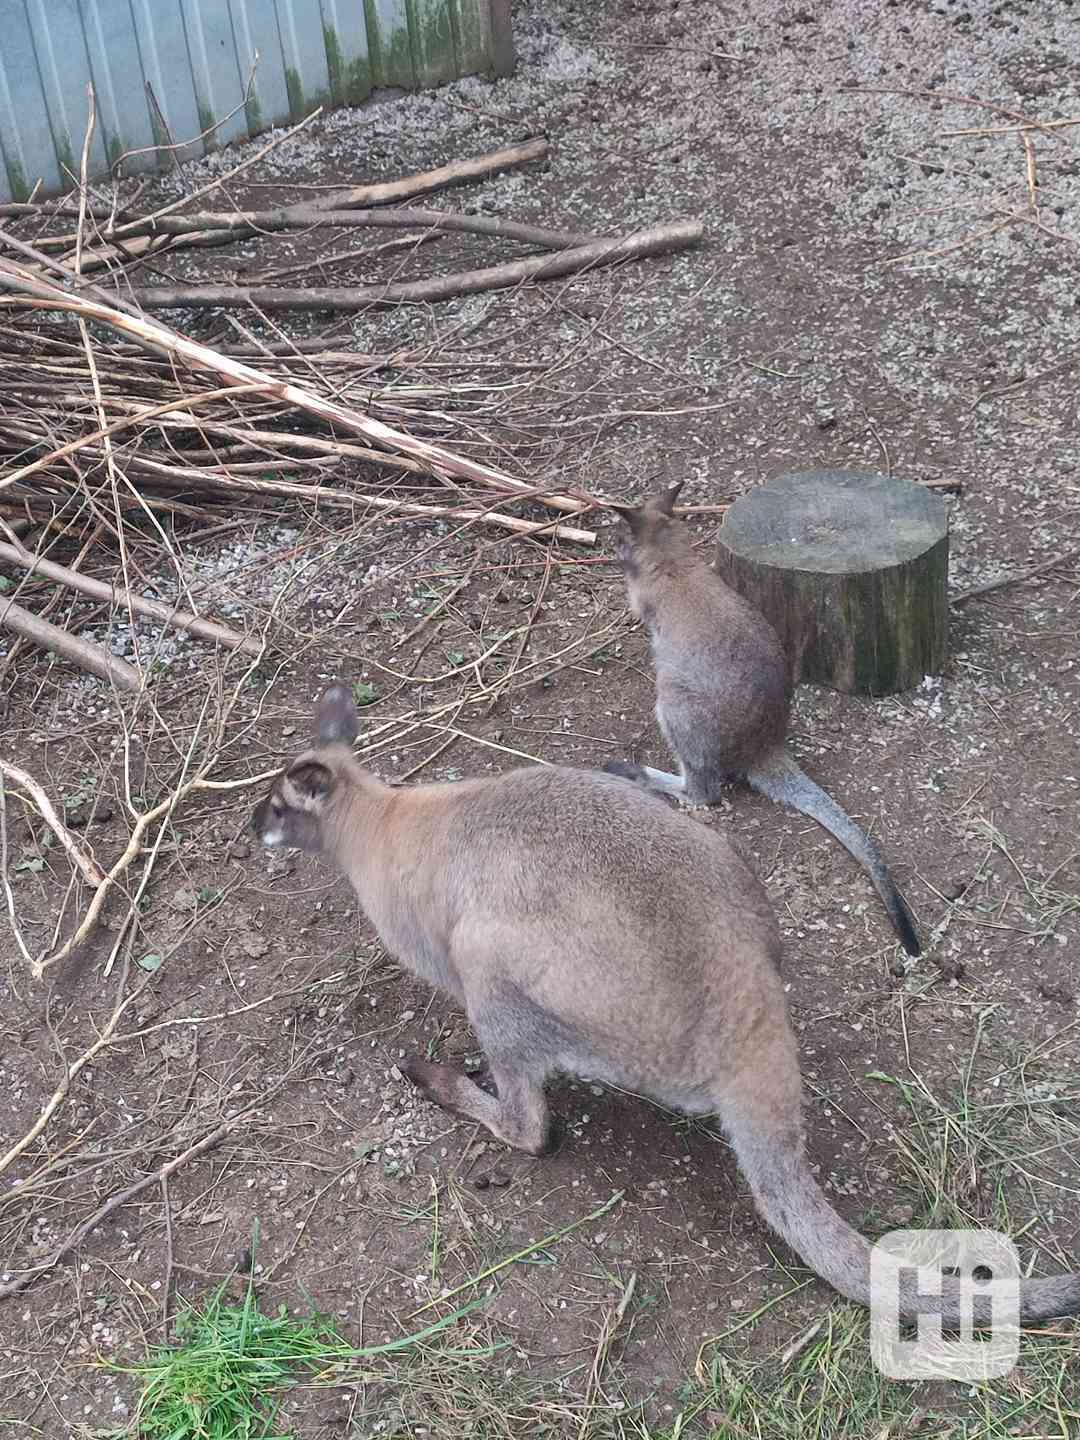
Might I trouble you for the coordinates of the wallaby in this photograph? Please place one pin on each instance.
(723, 690)
(589, 930)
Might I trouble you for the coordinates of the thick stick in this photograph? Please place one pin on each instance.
(210, 228)
(391, 192)
(84, 653)
(659, 241)
(116, 595)
(86, 864)
(148, 333)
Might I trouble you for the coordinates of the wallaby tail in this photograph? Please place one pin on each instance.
(780, 778)
(789, 1198)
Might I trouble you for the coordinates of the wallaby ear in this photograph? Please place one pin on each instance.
(632, 514)
(665, 501)
(307, 781)
(337, 719)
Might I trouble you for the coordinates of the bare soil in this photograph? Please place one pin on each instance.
(786, 340)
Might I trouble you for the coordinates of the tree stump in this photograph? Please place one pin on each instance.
(850, 569)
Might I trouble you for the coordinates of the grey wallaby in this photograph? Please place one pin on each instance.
(723, 690)
(589, 930)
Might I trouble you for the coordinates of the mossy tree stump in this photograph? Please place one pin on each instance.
(851, 570)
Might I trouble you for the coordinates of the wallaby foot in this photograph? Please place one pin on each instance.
(626, 769)
(519, 1116)
(659, 781)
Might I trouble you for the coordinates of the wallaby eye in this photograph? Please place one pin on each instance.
(277, 810)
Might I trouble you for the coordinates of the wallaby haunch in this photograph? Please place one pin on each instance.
(588, 930)
(723, 690)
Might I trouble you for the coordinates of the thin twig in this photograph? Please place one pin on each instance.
(154, 336)
(9, 895)
(70, 1071)
(76, 1236)
(87, 654)
(86, 865)
(112, 595)
(1017, 579)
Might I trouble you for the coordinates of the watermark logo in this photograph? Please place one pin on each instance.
(910, 1270)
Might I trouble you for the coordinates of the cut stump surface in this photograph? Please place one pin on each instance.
(851, 570)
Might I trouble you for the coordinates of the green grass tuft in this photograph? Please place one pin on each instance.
(218, 1381)
(224, 1377)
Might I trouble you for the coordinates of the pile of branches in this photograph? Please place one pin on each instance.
(110, 417)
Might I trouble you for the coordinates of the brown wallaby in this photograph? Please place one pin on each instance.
(723, 690)
(589, 930)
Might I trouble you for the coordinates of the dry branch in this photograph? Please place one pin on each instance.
(59, 1095)
(114, 595)
(391, 192)
(217, 482)
(41, 294)
(103, 1211)
(660, 240)
(275, 441)
(86, 864)
(210, 228)
(84, 653)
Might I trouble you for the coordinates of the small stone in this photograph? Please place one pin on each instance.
(254, 945)
(184, 900)
(900, 1215)
(481, 1182)
(239, 850)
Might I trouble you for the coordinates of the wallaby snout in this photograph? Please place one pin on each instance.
(294, 811)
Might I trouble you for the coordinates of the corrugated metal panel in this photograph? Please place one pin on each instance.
(166, 72)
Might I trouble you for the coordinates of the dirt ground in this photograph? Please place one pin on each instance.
(786, 340)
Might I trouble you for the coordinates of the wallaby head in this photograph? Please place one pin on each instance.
(652, 534)
(293, 813)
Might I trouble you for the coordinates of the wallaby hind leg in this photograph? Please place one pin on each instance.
(519, 1115)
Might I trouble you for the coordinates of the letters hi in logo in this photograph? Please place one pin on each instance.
(984, 1268)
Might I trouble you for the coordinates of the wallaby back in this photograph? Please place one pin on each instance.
(588, 930)
(724, 689)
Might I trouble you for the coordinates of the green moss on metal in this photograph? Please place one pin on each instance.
(433, 40)
(253, 114)
(357, 80)
(20, 190)
(295, 87)
(334, 64)
(350, 80)
(371, 24)
(66, 156)
(207, 121)
(396, 54)
(160, 134)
